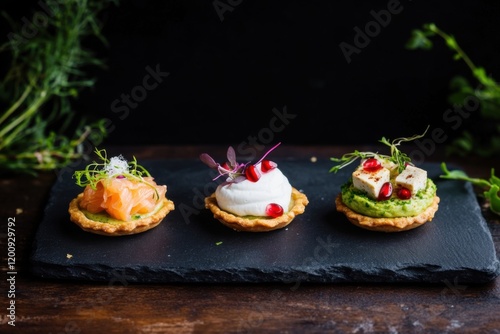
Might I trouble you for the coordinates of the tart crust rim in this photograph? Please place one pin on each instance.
(388, 224)
(124, 228)
(237, 223)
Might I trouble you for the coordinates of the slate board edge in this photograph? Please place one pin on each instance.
(332, 274)
(103, 273)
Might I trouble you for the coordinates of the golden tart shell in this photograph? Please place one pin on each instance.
(258, 224)
(135, 226)
(388, 224)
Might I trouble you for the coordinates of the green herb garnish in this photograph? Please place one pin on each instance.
(397, 157)
(491, 186)
(116, 167)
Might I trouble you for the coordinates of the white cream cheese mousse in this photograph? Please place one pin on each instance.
(247, 198)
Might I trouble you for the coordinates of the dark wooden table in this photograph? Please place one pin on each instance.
(45, 306)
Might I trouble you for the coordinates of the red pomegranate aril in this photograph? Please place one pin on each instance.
(267, 165)
(225, 165)
(385, 192)
(404, 193)
(252, 173)
(372, 165)
(274, 210)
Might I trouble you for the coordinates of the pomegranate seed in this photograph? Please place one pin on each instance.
(404, 193)
(385, 192)
(267, 165)
(225, 165)
(274, 210)
(252, 173)
(372, 165)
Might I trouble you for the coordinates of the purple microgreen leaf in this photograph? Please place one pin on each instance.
(208, 160)
(234, 171)
(222, 170)
(231, 156)
(215, 178)
(269, 151)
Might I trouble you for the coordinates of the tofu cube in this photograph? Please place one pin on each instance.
(412, 178)
(370, 182)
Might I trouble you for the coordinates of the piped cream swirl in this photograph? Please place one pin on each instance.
(247, 198)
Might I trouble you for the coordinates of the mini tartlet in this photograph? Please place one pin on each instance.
(386, 193)
(255, 197)
(119, 198)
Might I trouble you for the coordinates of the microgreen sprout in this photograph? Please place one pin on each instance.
(491, 186)
(397, 157)
(349, 158)
(234, 171)
(116, 167)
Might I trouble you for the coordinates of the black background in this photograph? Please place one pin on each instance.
(227, 75)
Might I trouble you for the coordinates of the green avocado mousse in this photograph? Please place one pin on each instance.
(391, 208)
(386, 192)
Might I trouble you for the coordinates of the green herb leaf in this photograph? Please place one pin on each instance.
(419, 40)
(494, 180)
(492, 185)
(462, 176)
(349, 158)
(487, 92)
(98, 171)
(494, 199)
(396, 156)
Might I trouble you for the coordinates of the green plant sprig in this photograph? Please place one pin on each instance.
(487, 92)
(50, 151)
(420, 39)
(397, 156)
(491, 186)
(97, 171)
(45, 74)
(349, 158)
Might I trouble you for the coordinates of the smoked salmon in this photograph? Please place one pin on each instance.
(123, 198)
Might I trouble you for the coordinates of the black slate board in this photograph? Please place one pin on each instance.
(319, 246)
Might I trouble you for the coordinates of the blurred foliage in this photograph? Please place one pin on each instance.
(485, 140)
(47, 71)
(490, 186)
